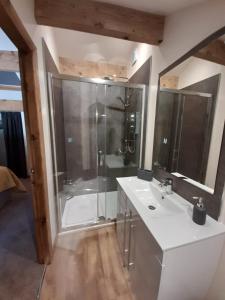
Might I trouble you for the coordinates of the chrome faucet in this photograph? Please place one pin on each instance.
(162, 183)
(167, 184)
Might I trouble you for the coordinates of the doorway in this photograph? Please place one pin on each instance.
(17, 234)
(14, 29)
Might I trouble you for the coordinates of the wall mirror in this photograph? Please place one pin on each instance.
(190, 116)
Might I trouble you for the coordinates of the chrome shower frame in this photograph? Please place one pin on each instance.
(142, 136)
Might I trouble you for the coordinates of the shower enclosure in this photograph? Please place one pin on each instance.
(96, 131)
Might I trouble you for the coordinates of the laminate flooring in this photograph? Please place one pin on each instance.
(87, 266)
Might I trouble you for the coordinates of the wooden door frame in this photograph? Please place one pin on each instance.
(13, 27)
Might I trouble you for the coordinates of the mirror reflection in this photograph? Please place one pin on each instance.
(190, 117)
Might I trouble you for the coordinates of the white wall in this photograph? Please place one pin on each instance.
(25, 10)
(142, 53)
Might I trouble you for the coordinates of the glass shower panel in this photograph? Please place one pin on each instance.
(101, 118)
(96, 137)
(76, 150)
(57, 140)
(181, 115)
(168, 122)
(79, 101)
(123, 135)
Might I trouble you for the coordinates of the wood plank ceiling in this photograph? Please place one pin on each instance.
(101, 18)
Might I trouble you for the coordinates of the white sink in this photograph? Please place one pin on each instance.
(171, 222)
(155, 199)
(190, 252)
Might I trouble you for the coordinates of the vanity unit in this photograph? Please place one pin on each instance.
(168, 256)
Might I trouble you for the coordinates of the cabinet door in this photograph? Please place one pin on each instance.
(121, 224)
(145, 259)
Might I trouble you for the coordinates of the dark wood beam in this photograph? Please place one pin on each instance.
(214, 52)
(101, 18)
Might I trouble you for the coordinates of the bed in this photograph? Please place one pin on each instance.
(8, 182)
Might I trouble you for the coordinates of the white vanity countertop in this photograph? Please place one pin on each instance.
(173, 229)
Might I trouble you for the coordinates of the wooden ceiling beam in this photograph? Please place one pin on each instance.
(11, 105)
(214, 52)
(101, 18)
(9, 61)
(10, 87)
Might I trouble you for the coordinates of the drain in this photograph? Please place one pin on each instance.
(152, 207)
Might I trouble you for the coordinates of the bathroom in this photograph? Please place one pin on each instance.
(99, 144)
(132, 148)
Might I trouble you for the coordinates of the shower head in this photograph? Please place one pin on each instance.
(123, 101)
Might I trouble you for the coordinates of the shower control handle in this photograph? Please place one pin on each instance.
(100, 161)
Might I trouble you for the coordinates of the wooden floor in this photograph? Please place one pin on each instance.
(86, 266)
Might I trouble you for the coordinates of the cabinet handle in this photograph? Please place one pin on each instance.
(131, 264)
(131, 232)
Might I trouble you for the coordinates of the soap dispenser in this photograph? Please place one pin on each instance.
(199, 211)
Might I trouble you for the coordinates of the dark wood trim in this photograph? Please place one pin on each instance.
(214, 52)
(194, 50)
(13, 27)
(101, 18)
(182, 187)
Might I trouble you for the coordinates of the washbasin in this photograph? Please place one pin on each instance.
(161, 206)
(157, 202)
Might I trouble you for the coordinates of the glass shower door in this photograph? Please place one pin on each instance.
(183, 114)
(119, 140)
(79, 104)
(75, 143)
(96, 136)
(101, 121)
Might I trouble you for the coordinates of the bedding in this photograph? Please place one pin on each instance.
(9, 180)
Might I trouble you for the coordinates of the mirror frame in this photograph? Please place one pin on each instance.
(181, 187)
